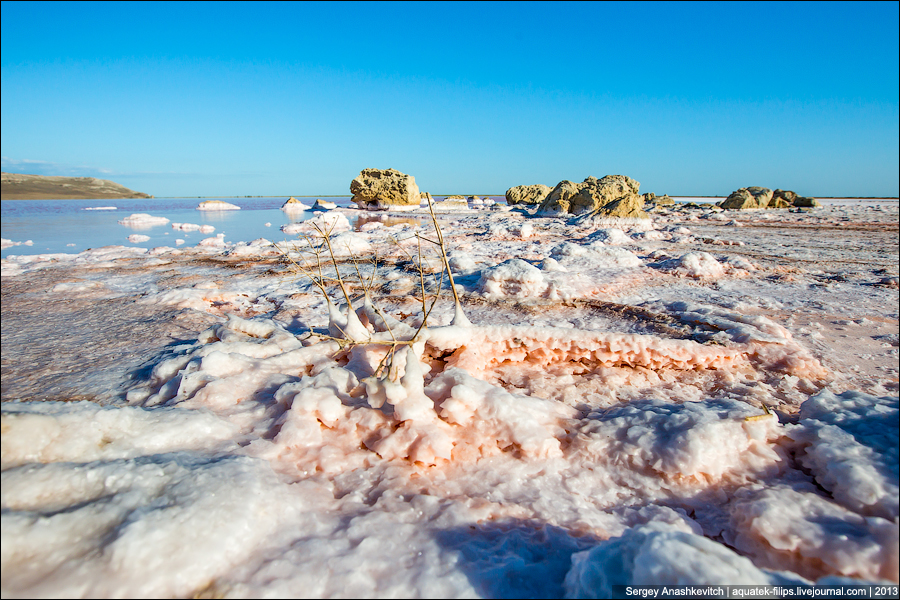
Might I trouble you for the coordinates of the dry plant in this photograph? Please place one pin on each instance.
(319, 263)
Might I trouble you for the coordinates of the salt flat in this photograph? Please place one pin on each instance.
(706, 396)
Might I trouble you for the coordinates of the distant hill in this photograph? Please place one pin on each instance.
(14, 186)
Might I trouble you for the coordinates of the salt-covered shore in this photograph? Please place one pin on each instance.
(703, 397)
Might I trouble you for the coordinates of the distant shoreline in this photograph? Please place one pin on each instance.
(20, 186)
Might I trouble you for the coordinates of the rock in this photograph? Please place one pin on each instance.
(323, 205)
(792, 199)
(806, 202)
(782, 199)
(664, 200)
(649, 197)
(527, 194)
(561, 197)
(292, 204)
(788, 195)
(611, 196)
(760, 197)
(610, 192)
(629, 207)
(381, 189)
(748, 197)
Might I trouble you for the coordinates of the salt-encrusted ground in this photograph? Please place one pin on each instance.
(600, 414)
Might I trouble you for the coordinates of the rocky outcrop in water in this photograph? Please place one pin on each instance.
(611, 196)
(323, 205)
(381, 189)
(294, 205)
(527, 194)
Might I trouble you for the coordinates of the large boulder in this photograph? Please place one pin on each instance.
(527, 194)
(627, 207)
(789, 199)
(381, 189)
(560, 199)
(748, 197)
(806, 202)
(611, 196)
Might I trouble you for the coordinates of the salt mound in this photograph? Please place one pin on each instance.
(664, 555)
(510, 229)
(610, 236)
(349, 243)
(217, 205)
(600, 255)
(5, 243)
(698, 265)
(258, 247)
(195, 507)
(294, 205)
(849, 443)
(213, 242)
(83, 432)
(143, 220)
(186, 226)
(513, 278)
(329, 222)
(798, 529)
(691, 442)
(462, 263)
(193, 227)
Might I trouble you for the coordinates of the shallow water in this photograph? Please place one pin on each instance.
(71, 226)
(68, 226)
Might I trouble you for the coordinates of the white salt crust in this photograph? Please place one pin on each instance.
(553, 455)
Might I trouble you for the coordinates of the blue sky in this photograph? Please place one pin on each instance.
(296, 98)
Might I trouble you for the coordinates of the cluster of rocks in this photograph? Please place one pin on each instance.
(760, 197)
(610, 196)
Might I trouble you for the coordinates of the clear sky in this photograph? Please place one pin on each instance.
(296, 98)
